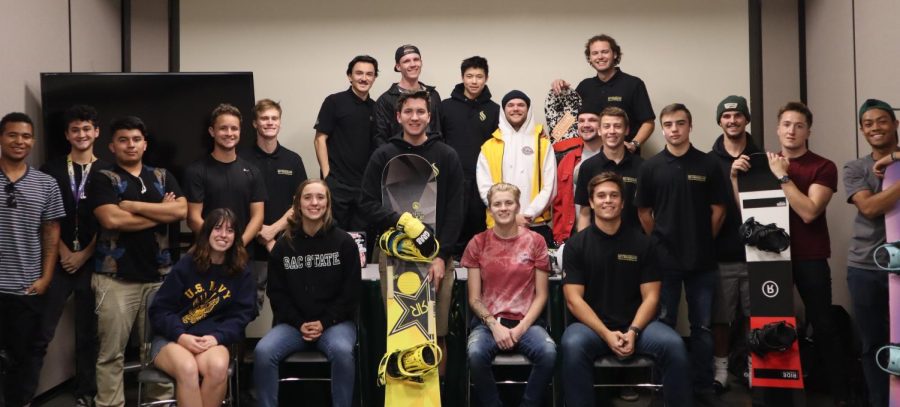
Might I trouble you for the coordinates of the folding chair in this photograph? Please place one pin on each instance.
(507, 359)
(149, 374)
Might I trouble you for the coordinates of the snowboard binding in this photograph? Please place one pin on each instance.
(397, 244)
(409, 364)
(769, 238)
(772, 337)
(892, 256)
(893, 360)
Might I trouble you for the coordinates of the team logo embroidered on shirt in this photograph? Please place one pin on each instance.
(698, 178)
(629, 180)
(482, 116)
(626, 257)
(285, 172)
(527, 150)
(614, 99)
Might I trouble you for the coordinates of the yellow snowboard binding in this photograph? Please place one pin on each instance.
(409, 364)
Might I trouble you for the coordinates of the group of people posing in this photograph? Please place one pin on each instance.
(636, 233)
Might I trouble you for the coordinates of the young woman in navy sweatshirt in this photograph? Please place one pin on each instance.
(314, 283)
(203, 305)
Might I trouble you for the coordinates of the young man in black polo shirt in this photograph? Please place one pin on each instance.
(76, 247)
(408, 61)
(282, 171)
(345, 131)
(469, 116)
(612, 87)
(681, 202)
(223, 179)
(732, 284)
(134, 204)
(611, 285)
(615, 157)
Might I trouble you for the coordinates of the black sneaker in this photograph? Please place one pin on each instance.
(720, 387)
(84, 401)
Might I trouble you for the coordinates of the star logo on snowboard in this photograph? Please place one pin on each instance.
(415, 310)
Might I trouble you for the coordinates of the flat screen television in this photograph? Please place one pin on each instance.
(174, 106)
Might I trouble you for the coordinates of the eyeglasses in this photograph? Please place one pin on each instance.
(11, 201)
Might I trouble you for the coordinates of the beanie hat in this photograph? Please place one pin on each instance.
(733, 103)
(516, 94)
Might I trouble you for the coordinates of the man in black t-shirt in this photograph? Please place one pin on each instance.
(612, 87)
(345, 131)
(681, 197)
(76, 247)
(611, 284)
(134, 204)
(282, 172)
(616, 158)
(223, 179)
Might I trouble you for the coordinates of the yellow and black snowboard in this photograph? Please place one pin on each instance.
(408, 369)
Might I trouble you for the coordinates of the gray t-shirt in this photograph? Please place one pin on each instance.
(868, 234)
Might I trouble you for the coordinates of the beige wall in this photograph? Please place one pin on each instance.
(690, 51)
(781, 65)
(149, 36)
(37, 39)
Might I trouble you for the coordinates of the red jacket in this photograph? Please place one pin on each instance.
(564, 203)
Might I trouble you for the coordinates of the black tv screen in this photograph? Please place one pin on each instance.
(174, 106)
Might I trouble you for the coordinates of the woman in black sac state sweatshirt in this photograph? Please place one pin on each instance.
(314, 283)
(203, 305)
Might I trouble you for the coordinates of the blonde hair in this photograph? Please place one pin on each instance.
(503, 187)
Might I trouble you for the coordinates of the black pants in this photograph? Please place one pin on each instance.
(344, 206)
(813, 281)
(63, 285)
(20, 317)
(474, 221)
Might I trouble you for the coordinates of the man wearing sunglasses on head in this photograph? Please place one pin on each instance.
(29, 218)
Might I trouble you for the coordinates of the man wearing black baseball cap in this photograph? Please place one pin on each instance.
(408, 61)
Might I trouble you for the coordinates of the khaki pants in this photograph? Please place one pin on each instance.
(119, 305)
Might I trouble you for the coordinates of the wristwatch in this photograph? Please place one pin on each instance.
(637, 144)
(784, 180)
(637, 331)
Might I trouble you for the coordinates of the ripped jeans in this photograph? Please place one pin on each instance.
(699, 289)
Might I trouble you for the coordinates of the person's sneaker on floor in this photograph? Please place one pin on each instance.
(84, 401)
(629, 394)
(720, 375)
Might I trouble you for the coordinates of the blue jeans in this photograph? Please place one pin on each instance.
(699, 288)
(337, 343)
(869, 297)
(581, 346)
(535, 344)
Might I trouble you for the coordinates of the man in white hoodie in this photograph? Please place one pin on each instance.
(519, 153)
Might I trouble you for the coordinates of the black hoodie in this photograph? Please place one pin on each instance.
(449, 188)
(466, 124)
(386, 123)
(728, 244)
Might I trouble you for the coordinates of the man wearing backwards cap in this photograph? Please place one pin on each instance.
(868, 283)
(732, 282)
(408, 61)
(519, 153)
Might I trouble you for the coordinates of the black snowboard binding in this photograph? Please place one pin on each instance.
(772, 337)
(769, 238)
